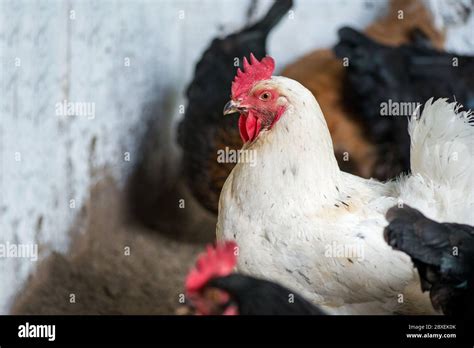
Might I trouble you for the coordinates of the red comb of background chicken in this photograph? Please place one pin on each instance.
(219, 261)
(253, 72)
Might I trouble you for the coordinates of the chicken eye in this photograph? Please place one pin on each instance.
(265, 96)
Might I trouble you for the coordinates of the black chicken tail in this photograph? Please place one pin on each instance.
(443, 253)
(273, 16)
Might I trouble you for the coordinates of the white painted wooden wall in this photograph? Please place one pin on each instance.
(75, 50)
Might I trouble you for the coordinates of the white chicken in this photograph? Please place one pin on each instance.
(300, 221)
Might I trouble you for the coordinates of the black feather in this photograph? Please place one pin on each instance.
(261, 297)
(443, 253)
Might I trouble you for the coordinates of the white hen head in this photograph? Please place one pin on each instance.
(282, 122)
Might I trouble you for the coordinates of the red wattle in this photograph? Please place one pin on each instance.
(243, 129)
(251, 126)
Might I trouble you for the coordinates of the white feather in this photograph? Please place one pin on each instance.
(294, 205)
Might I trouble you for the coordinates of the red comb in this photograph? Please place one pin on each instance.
(218, 261)
(253, 72)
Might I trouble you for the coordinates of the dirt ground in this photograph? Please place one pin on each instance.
(97, 271)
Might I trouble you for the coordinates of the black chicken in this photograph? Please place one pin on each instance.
(213, 289)
(410, 73)
(204, 131)
(253, 296)
(443, 253)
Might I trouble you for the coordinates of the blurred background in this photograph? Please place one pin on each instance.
(109, 132)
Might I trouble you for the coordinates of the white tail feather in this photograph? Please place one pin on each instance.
(442, 145)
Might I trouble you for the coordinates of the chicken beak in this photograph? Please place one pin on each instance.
(231, 107)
